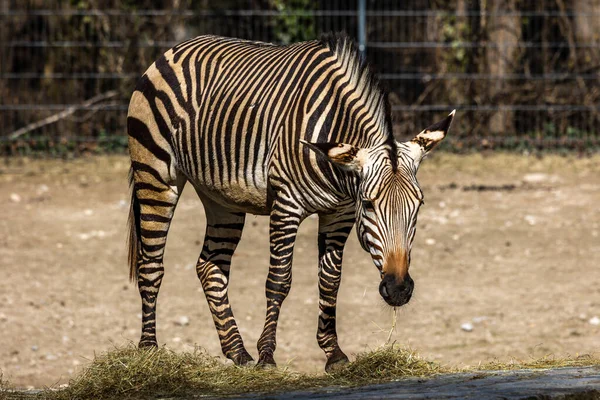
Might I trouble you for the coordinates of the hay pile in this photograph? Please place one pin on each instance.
(132, 373)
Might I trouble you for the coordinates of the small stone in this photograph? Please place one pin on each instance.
(51, 357)
(594, 321)
(442, 204)
(88, 212)
(430, 241)
(176, 339)
(59, 245)
(15, 198)
(531, 220)
(467, 327)
(455, 237)
(84, 236)
(582, 316)
(183, 321)
(42, 189)
(34, 348)
(535, 178)
(122, 204)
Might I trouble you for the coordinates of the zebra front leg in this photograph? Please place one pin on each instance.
(283, 229)
(223, 233)
(333, 232)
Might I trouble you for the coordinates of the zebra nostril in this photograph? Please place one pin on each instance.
(384, 291)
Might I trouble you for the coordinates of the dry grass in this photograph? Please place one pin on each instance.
(132, 373)
(3, 383)
(546, 362)
(129, 373)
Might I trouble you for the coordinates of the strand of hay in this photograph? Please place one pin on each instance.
(393, 327)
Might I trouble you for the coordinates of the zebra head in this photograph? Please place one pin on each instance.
(387, 202)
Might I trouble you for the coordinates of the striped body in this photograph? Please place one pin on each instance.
(285, 131)
(233, 112)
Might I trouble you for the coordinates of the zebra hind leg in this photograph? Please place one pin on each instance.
(154, 201)
(223, 233)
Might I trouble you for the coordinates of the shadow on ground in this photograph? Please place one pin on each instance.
(562, 383)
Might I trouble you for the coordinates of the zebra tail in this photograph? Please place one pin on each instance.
(133, 222)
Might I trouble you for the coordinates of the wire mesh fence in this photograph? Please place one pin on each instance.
(523, 75)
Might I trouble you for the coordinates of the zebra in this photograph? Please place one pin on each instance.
(284, 131)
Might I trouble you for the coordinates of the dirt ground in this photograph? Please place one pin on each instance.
(507, 245)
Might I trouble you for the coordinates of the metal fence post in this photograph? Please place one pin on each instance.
(362, 27)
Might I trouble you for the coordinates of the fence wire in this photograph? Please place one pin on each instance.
(523, 75)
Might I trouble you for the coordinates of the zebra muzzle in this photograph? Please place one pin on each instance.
(396, 292)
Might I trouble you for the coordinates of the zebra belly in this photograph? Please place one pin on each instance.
(235, 197)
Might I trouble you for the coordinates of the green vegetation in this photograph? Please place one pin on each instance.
(132, 373)
(295, 23)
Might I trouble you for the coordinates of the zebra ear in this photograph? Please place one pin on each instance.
(430, 137)
(342, 154)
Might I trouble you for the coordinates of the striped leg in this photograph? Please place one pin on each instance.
(283, 228)
(333, 232)
(157, 202)
(223, 233)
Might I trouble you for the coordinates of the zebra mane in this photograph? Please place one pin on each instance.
(349, 55)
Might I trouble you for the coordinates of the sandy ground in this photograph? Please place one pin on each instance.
(507, 244)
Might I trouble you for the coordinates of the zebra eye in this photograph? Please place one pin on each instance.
(368, 205)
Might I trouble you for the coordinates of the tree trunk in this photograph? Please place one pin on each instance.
(504, 33)
(587, 30)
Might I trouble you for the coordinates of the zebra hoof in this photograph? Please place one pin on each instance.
(266, 363)
(244, 359)
(337, 361)
(147, 344)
